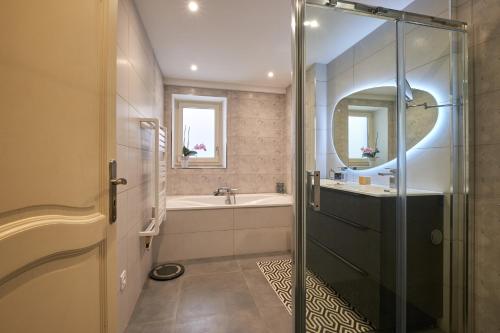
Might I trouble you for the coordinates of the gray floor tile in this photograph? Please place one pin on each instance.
(154, 327)
(220, 295)
(246, 322)
(277, 319)
(149, 310)
(211, 266)
(195, 303)
(208, 324)
(216, 282)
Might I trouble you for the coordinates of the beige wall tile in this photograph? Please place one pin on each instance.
(270, 240)
(253, 218)
(193, 245)
(258, 137)
(487, 165)
(487, 66)
(198, 220)
(487, 112)
(485, 18)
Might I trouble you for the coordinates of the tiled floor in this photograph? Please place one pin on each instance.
(222, 295)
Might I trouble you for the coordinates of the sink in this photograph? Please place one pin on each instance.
(372, 190)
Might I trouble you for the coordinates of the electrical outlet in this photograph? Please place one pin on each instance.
(123, 280)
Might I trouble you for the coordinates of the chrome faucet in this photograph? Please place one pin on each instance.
(392, 176)
(228, 192)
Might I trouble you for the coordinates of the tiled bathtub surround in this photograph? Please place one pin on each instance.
(258, 130)
(205, 233)
(484, 55)
(139, 95)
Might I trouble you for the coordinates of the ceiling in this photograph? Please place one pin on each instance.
(240, 41)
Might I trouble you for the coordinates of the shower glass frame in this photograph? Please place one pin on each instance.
(461, 222)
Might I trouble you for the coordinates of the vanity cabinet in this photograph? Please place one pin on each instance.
(351, 245)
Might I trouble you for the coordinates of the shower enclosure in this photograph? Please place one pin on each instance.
(381, 238)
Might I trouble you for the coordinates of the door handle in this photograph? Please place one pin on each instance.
(314, 190)
(119, 181)
(114, 182)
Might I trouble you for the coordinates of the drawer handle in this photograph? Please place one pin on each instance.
(345, 261)
(341, 219)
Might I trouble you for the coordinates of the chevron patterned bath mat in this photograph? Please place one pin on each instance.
(326, 312)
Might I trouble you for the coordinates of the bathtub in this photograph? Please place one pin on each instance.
(203, 226)
(242, 200)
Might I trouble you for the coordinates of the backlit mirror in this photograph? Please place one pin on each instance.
(364, 125)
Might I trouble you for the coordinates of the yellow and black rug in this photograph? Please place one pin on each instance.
(326, 311)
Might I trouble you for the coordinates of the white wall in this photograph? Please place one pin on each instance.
(139, 95)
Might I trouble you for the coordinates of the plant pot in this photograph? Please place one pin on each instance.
(184, 162)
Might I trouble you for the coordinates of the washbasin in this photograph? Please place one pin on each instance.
(373, 190)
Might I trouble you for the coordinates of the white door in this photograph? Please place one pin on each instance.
(57, 77)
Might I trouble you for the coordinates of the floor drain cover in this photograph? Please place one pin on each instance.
(166, 272)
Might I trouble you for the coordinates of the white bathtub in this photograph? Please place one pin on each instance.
(242, 200)
(204, 226)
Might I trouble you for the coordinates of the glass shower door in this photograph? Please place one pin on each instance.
(434, 69)
(351, 168)
(382, 171)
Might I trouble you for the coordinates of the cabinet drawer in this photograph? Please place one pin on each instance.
(357, 244)
(358, 208)
(358, 289)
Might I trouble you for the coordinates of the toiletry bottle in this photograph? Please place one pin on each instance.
(331, 174)
(345, 174)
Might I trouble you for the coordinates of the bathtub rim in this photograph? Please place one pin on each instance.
(224, 206)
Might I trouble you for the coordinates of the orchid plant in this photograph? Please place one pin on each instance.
(185, 149)
(370, 152)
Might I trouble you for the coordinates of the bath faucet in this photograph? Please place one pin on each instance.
(392, 176)
(228, 192)
(221, 191)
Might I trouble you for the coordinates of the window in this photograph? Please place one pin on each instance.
(358, 135)
(200, 126)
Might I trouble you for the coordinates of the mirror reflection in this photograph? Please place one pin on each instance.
(364, 125)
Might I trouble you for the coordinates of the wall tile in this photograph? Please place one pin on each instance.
(121, 121)
(193, 245)
(122, 75)
(487, 122)
(258, 137)
(139, 94)
(270, 240)
(487, 179)
(122, 28)
(487, 69)
(485, 18)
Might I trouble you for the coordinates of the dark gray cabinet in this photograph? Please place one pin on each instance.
(351, 245)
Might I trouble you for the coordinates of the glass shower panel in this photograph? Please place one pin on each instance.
(350, 88)
(434, 71)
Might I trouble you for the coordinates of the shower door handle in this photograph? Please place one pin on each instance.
(313, 190)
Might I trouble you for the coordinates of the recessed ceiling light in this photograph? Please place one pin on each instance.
(312, 24)
(270, 75)
(193, 6)
(194, 68)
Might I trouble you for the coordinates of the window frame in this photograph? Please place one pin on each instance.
(219, 104)
(362, 162)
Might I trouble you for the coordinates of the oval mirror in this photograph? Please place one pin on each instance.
(364, 125)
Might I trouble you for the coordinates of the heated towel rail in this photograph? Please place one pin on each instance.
(159, 209)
